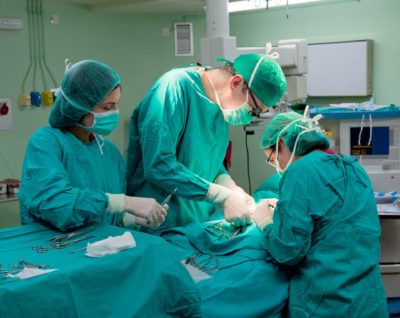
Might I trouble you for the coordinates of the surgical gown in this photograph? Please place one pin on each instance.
(326, 228)
(64, 180)
(178, 139)
(268, 189)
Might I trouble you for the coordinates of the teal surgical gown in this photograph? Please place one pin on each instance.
(268, 189)
(64, 180)
(178, 139)
(326, 228)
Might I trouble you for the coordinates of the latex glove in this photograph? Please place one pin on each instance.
(264, 212)
(226, 181)
(145, 208)
(247, 198)
(232, 203)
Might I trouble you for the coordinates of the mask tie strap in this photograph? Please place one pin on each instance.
(273, 55)
(213, 87)
(361, 130)
(67, 65)
(370, 130)
(97, 137)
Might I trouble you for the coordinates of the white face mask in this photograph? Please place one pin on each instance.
(237, 116)
(240, 115)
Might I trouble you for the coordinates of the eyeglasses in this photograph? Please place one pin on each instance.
(256, 109)
(268, 161)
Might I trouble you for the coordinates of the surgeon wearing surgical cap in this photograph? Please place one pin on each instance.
(72, 175)
(325, 226)
(179, 136)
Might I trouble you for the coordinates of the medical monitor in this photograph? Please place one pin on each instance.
(379, 148)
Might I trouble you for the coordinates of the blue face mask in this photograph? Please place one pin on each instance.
(104, 123)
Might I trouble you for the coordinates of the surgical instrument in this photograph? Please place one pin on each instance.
(22, 264)
(59, 238)
(79, 249)
(205, 262)
(44, 249)
(224, 230)
(169, 197)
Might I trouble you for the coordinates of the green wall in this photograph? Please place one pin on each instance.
(132, 44)
(335, 20)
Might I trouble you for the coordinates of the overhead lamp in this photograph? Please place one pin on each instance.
(248, 5)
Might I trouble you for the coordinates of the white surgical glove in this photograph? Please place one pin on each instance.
(233, 204)
(142, 208)
(226, 181)
(264, 212)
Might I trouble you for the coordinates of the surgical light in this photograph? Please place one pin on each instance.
(248, 5)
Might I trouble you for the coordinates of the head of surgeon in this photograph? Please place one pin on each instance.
(290, 136)
(88, 98)
(256, 81)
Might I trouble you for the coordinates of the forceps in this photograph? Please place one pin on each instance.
(22, 264)
(63, 237)
(169, 197)
(58, 245)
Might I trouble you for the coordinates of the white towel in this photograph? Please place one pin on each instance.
(29, 272)
(110, 245)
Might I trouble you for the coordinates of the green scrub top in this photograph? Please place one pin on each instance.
(326, 227)
(178, 139)
(64, 180)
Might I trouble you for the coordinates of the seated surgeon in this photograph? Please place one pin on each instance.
(325, 226)
(179, 134)
(72, 175)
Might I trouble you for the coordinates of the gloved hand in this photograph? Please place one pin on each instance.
(264, 212)
(130, 221)
(233, 204)
(145, 208)
(226, 181)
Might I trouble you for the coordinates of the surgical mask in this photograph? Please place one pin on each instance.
(104, 123)
(308, 125)
(240, 115)
(234, 117)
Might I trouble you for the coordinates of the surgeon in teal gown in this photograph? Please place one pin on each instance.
(325, 226)
(73, 176)
(179, 136)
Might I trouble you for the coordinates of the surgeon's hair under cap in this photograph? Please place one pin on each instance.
(84, 85)
(269, 83)
(307, 141)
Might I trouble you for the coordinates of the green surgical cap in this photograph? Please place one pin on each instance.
(83, 87)
(269, 83)
(308, 141)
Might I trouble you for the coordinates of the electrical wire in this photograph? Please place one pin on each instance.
(34, 45)
(43, 46)
(40, 47)
(287, 9)
(28, 10)
(248, 162)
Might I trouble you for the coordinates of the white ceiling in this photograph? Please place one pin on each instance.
(143, 6)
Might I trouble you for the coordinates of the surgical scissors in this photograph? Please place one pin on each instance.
(169, 197)
(59, 238)
(44, 249)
